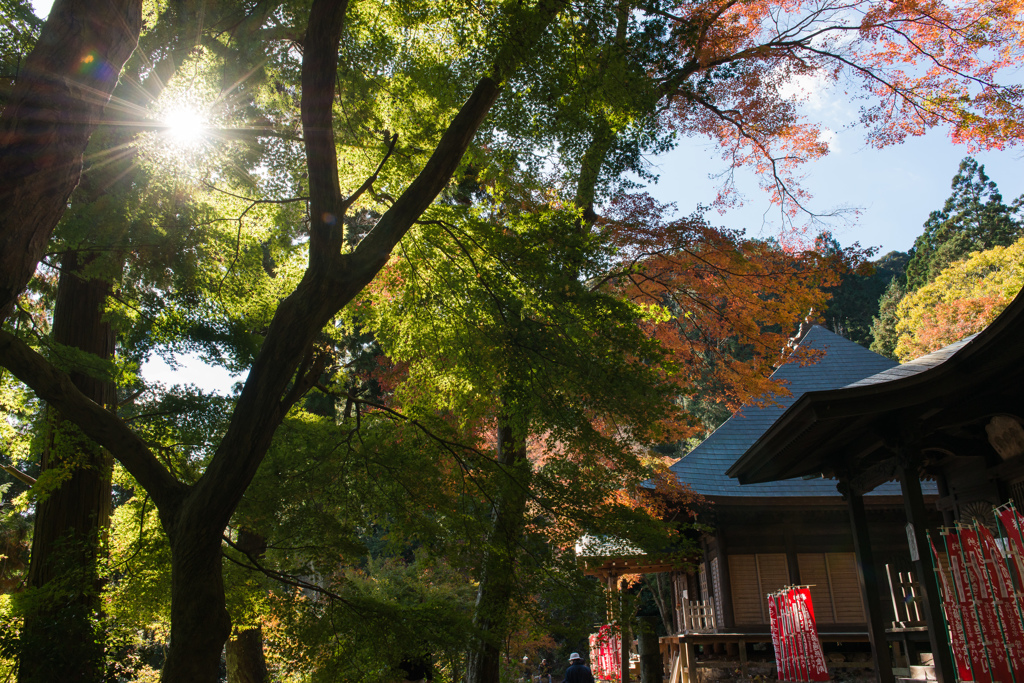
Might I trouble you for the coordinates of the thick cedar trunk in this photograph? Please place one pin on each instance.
(245, 660)
(71, 520)
(650, 652)
(54, 108)
(59, 641)
(497, 581)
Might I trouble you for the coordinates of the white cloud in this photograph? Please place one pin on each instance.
(810, 89)
(831, 138)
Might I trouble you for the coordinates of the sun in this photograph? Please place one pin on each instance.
(185, 126)
(182, 132)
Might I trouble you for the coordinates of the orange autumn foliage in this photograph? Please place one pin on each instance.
(741, 69)
(948, 322)
(663, 496)
(731, 303)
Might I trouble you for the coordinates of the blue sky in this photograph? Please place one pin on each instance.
(895, 188)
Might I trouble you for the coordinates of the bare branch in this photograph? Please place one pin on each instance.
(286, 579)
(18, 474)
(373, 178)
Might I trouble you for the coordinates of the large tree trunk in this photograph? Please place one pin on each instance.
(245, 659)
(497, 581)
(246, 663)
(650, 652)
(59, 641)
(199, 618)
(194, 516)
(54, 108)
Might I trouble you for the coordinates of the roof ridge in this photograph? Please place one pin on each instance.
(842, 363)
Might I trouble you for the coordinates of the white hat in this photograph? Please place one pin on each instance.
(574, 656)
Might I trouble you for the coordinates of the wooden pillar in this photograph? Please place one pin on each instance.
(727, 619)
(943, 486)
(708, 576)
(913, 501)
(869, 588)
(713, 592)
(677, 663)
(689, 657)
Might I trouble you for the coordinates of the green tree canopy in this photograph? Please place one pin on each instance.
(360, 115)
(974, 218)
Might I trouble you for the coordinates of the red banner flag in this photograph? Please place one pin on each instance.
(1005, 602)
(953, 618)
(604, 654)
(782, 634)
(799, 644)
(972, 629)
(789, 653)
(798, 653)
(773, 620)
(1013, 525)
(817, 670)
(986, 604)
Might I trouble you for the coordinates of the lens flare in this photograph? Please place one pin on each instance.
(185, 127)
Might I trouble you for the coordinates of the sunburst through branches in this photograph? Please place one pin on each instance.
(186, 127)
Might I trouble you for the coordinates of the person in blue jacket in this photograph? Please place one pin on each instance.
(578, 672)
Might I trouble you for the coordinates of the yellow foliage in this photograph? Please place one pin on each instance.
(962, 300)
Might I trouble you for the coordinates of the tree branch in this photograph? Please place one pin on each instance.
(99, 424)
(319, 71)
(18, 474)
(334, 279)
(375, 249)
(373, 178)
(286, 579)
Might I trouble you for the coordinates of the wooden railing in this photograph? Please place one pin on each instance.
(696, 617)
(905, 591)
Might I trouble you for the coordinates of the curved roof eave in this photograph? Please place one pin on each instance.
(942, 373)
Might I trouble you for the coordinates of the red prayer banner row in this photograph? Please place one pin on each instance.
(605, 654)
(981, 579)
(798, 654)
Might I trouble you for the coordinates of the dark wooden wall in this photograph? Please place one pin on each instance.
(771, 542)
